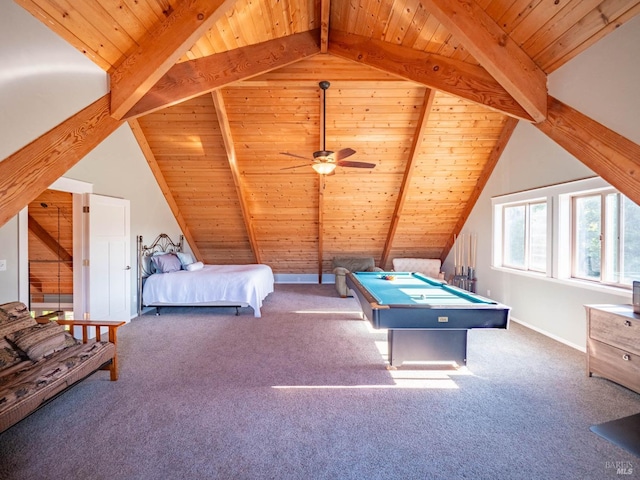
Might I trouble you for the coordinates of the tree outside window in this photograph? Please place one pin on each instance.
(525, 236)
(606, 243)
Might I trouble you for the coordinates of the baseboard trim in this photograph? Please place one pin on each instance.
(550, 335)
(306, 278)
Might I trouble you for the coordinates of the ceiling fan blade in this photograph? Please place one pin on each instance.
(294, 155)
(344, 153)
(296, 166)
(353, 164)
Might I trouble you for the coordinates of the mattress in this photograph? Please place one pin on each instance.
(242, 284)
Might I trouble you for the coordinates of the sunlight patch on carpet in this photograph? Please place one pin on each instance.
(439, 384)
(413, 378)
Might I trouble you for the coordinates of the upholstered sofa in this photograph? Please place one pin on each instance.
(39, 359)
(344, 265)
(426, 266)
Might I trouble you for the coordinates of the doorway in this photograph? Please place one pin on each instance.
(77, 220)
(50, 253)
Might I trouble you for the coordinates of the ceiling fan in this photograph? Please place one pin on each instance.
(325, 161)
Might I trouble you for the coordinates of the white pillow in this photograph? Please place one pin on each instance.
(192, 267)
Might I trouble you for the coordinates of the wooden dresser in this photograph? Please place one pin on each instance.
(613, 344)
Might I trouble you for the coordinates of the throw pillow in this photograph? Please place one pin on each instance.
(195, 266)
(14, 316)
(40, 340)
(167, 263)
(9, 356)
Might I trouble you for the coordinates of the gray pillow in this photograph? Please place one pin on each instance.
(166, 263)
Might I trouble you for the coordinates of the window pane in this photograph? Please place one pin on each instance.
(538, 237)
(587, 237)
(514, 236)
(630, 264)
(612, 239)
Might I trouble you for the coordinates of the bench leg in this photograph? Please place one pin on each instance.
(113, 369)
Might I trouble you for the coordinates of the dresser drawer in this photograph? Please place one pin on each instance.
(617, 330)
(615, 364)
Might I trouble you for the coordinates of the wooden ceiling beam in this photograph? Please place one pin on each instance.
(434, 71)
(51, 243)
(164, 187)
(325, 16)
(161, 49)
(492, 161)
(227, 138)
(427, 104)
(35, 283)
(190, 79)
(495, 51)
(609, 154)
(31, 170)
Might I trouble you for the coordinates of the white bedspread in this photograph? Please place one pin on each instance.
(247, 284)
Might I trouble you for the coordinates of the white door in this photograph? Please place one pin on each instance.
(109, 258)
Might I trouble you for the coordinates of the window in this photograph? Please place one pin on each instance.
(583, 231)
(606, 235)
(587, 213)
(525, 236)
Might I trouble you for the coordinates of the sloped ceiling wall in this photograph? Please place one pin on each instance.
(427, 91)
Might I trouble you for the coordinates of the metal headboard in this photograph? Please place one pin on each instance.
(162, 244)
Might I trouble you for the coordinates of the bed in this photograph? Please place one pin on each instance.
(164, 283)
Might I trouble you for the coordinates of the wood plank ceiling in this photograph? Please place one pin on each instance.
(421, 88)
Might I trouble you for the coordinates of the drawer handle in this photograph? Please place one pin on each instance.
(627, 323)
(626, 357)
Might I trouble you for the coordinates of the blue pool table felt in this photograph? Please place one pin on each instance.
(413, 288)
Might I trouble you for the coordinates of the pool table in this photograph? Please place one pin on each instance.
(426, 319)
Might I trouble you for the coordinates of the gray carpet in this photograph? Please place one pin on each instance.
(303, 393)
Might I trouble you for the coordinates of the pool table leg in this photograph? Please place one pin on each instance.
(424, 345)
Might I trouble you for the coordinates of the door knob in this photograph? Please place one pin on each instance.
(127, 267)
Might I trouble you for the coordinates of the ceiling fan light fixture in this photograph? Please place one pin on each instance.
(324, 168)
(323, 155)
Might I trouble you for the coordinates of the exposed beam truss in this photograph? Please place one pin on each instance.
(190, 79)
(161, 49)
(325, 16)
(427, 104)
(434, 71)
(51, 243)
(227, 138)
(31, 170)
(496, 51)
(609, 154)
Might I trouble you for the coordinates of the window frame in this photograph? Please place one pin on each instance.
(573, 248)
(559, 231)
(527, 234)
(611, 256)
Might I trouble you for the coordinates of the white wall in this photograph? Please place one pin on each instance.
(9, 252)
(602, 83)
(43, 81)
